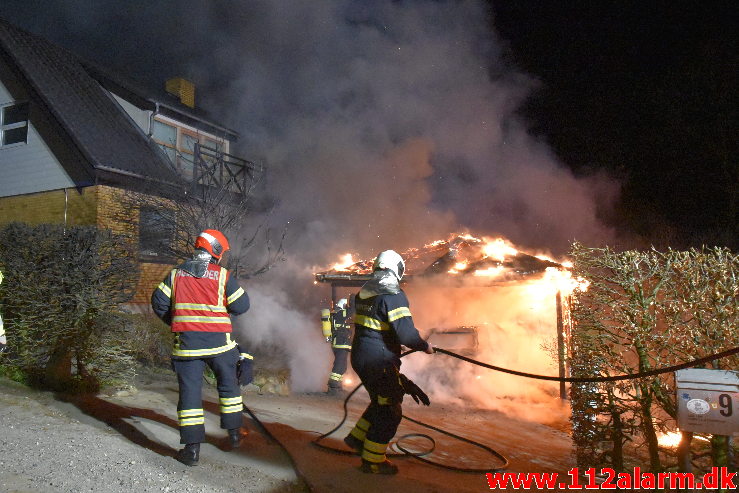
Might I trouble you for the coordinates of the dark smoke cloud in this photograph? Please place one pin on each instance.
(384, 124)
(391, 125)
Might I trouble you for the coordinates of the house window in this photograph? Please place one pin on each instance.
(14, 124)
(217, 146)
(156, 232)
(179, 145)
(188, 143)
(212, 151)
(166, 136)
(187, 155)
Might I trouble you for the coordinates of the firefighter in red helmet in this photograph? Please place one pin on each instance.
(382, 323)
(197, 299)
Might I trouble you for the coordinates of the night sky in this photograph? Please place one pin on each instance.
(647, 91)
(642, 95)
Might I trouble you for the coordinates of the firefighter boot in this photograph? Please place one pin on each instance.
(235, 438)
(189, 455)
(354, 443)
(335, 389)
(386, 467)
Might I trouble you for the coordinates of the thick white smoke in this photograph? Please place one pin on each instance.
(281, 334)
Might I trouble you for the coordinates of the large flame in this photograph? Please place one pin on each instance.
(484, 257)
(500, 306)
(345, 261)
(498, 249)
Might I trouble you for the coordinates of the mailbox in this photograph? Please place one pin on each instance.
(708, 401)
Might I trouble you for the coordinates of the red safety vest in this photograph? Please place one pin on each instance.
(199, 303)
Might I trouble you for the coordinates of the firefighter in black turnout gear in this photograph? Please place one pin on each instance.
(196, 299)
(337, 331)
(383, 324)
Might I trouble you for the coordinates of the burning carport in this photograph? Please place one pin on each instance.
(459, 286)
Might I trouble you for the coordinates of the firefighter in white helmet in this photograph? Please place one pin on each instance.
(383, 324)
(337, 330)
(3, 339)
(197, 299)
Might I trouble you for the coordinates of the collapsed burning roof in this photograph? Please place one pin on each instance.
(461, 256)
(522, 306)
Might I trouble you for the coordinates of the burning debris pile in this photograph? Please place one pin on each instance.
(462, 255)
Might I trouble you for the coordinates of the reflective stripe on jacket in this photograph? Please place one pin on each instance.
(199, 303)
(385, 320)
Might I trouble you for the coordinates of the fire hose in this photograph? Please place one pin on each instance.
(420, 456)
(499, 456)
(416, 455)
(615, 378)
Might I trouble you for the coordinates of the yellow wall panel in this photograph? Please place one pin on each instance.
(49, 207)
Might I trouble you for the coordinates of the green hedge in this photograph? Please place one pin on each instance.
(61, 294)
(644, 310)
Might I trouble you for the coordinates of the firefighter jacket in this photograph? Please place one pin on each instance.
(341, 331)
(198, 309)
(383, 321)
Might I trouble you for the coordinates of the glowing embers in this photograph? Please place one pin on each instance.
(497, 271)
(669, 440)
(672, 439)
(458, 267)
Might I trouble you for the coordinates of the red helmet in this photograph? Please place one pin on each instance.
(213, 242)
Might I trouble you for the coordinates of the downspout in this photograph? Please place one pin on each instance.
(66, 204)
(151, 119)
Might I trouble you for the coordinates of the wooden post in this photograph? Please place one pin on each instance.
(561, 347)
(684, 463)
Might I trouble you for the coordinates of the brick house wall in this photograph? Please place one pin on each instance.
(118, 211)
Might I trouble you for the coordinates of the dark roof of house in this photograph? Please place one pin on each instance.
(157, 100)
(103, 132)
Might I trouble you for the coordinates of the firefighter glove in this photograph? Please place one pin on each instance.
(245, 368)
(414, 391)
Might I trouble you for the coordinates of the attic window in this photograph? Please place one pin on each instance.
(13, 124)
(166, 136)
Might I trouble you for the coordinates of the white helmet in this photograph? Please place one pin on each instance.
(342, 303)
(389, 259)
